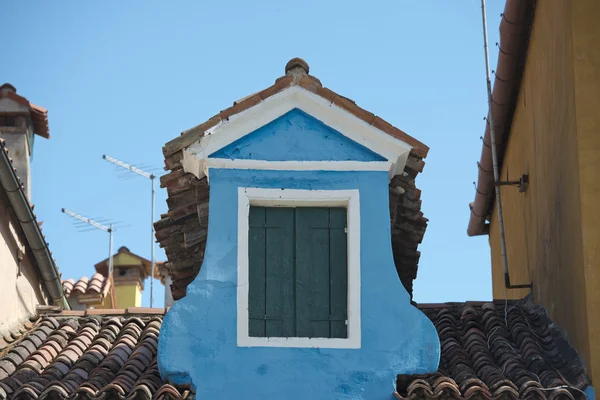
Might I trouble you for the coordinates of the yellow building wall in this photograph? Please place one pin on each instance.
(586, 61)
(128, 296)
(553, 229)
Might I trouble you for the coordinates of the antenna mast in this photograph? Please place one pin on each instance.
(105, 228)
(150, 176)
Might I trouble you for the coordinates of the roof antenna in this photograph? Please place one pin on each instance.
(495, 157)
(150, 176)
(105, 228)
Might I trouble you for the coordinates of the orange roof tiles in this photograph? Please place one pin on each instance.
(91, 357)
(97, 285)
(39, 115)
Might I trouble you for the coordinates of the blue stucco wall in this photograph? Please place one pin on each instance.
(198, 341)
(296, 136)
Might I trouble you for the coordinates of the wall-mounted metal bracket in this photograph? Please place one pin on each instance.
(508, 285)
(522, 183)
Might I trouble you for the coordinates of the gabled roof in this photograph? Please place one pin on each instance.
(182, 232)
(96, 354)
(498, 350)
(39, 115)
(296, 75)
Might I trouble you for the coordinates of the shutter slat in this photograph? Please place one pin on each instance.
(338, 266)
(279, 272)
(312, 272)
(256, 278)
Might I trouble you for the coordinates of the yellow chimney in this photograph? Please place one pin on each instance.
(129, 273)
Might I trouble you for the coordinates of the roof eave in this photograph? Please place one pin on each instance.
(16, 196)
(514, 38)
(39, 115)
(309, 83)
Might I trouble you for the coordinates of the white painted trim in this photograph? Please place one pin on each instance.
(295, 198)
(297, 165)
(247, 121)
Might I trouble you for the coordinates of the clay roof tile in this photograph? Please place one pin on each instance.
(67, 355)
(496, 362)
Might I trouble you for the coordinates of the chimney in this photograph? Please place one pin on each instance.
(129, 273)
(19, 122)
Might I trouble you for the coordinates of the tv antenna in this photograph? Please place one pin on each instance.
(106, 228)
(150, 176)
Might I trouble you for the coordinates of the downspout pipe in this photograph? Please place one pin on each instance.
(27, 220)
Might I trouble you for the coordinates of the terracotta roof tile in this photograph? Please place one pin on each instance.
(95, 357)
(488, 356)
(39, 115)
(98, 285)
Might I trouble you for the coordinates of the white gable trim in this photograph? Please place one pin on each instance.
(296, 165)
(396, 151)
(294, 198)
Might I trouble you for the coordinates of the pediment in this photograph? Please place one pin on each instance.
(349, 142)
(296, 136)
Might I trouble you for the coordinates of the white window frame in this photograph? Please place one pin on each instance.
(300, 198)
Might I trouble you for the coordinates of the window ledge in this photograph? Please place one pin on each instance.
(299, 342)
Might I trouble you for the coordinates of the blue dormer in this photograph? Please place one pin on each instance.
(298, 293)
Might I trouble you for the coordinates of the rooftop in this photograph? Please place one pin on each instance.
(86, 354)
(489, 350)
(498, 350)
(94, 289)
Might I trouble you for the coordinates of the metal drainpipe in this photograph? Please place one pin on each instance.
(495, 157)
(20, 204)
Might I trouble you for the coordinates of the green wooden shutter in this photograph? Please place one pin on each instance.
(321, 272)
(298, 272)
(271, 264)
(338, 281)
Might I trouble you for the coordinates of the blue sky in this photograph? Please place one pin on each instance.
(123, 78)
